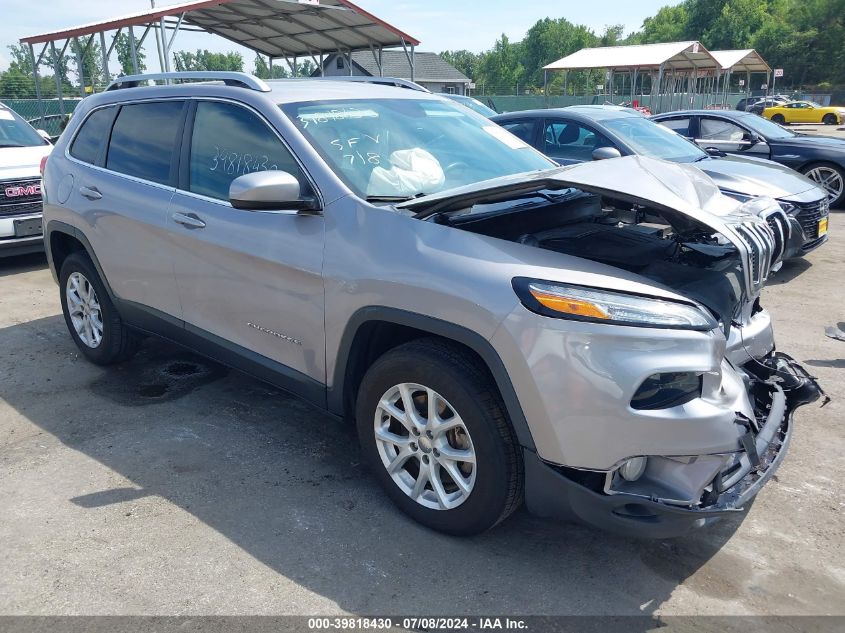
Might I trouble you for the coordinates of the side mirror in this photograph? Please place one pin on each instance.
(43, 134)
(750, 137)
(269, 190)
(603, 153)
(715, 151)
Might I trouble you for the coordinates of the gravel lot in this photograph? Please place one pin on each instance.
(170, 485)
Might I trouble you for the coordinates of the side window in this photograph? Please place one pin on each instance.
(229, 141)
(568, 139)
(92, 136)
(524, 130)
(681, 126)
(143, 140)
(719, 130)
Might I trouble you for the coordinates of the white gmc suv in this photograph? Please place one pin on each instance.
(21, 152)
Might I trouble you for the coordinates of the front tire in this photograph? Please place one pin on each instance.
(829, 177)
(91, 317)
(830, 119)
(435, 433)
(779, 119)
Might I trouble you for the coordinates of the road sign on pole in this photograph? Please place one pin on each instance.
(778, 72)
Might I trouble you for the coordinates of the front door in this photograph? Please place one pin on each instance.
(568, 142)
(730, 138)
(251, 278)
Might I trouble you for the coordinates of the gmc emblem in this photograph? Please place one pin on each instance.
(17, 191)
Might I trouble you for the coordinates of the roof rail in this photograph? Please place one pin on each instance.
(242, 80)
(384, 81)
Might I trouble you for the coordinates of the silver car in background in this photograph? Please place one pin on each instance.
(587, 339)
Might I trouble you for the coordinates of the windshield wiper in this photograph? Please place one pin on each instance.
(389, 198)
(11, 145)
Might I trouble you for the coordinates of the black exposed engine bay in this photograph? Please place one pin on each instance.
(682, 255)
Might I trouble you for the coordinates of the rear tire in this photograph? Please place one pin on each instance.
(779, 119)
(425, 484)
(830, 119)
(90, 315)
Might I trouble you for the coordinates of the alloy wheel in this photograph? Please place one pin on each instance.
(84, 310)
(829, 179)
(425, 446)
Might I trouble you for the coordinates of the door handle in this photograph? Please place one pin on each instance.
(189, 220)
(90, 192)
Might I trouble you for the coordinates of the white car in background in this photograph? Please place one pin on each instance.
(22, 150)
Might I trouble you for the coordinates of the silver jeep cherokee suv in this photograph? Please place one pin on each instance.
(588, 339)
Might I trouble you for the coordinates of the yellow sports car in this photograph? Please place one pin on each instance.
(805, 112)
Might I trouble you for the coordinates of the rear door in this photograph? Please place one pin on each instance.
(250, 279)
(122, 181)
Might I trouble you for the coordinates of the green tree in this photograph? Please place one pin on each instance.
(206, 60)
(123, 48)
(465, 61)
(88, 51)
(262, 69)
(669, 24)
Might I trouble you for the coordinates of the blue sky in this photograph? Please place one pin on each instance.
(439, 24)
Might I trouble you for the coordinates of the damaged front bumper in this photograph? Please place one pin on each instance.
(677, 494)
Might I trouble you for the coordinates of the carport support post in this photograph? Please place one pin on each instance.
(37, 81)
(79, 69)
(133, 50)
(105, 54)
(747, 86)
(659, 107)
(57, 77)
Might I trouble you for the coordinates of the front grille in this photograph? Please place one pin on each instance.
(759, 241)
(20, 209)
(779, 223)
(808, 215)
(19, 197)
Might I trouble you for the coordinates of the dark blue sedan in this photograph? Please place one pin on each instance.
(592, 132)
(820, 158)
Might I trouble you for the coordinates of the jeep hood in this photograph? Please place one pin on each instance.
(679, 187)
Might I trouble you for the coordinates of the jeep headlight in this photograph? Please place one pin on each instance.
(580, 303)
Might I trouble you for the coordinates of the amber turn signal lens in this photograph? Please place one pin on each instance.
(569, 305)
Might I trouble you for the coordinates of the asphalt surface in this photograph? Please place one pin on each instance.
(170, 485)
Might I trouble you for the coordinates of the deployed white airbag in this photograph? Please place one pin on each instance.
(412, 171)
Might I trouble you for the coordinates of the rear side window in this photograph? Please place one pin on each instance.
(521, 129)
(229, 141)
(143, 140)
(92, 136)
(681, 126)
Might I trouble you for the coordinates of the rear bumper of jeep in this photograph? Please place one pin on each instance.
(590, 497)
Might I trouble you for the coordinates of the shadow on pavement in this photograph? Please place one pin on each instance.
(285, 483)
(22, 264)
(791, 269)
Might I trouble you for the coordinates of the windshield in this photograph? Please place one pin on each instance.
(402, 148)
(647, 138)
(15, 132)
(474, 104)
(766, 128)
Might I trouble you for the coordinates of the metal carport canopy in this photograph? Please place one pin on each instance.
(680, 56)
(277, 28)
(745, 60)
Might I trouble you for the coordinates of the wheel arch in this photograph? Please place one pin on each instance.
(62, 239)
(374, 330)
